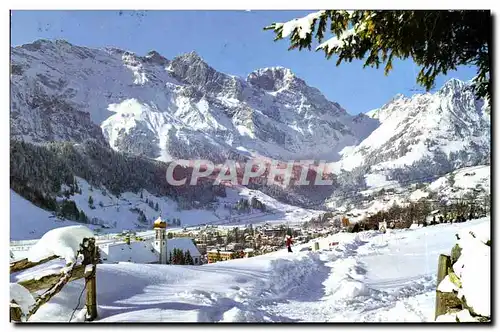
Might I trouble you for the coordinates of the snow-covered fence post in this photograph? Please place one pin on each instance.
(444, 300)
(15, 312)
(90, 259)
(464, 293)
(56, 243)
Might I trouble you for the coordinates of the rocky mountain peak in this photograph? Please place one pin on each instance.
(452, 86)
(271, 78)
(191, 69)
(191, 58)
(59, 47)
(37, 45)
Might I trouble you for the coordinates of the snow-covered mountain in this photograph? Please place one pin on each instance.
(422, 137)
(182, 108)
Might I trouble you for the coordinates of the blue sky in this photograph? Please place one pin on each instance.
(230, 41)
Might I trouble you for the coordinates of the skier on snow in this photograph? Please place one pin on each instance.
(289, 243)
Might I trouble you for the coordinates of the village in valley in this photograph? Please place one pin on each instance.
(205, 244)
(166, 240)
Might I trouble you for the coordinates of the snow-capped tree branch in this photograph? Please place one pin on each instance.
(437, 41)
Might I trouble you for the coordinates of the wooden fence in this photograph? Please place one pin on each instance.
(445, 301)
(53, 283)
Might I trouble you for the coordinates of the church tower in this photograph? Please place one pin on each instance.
(161, 239)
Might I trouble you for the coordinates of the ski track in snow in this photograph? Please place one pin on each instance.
(348, 297)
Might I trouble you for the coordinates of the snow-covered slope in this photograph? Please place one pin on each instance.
(447, 129)
(28, 221)
(164, 109)
(113, 214)
(182, 109)
(463, 185)
(368, 277)
(468, 182)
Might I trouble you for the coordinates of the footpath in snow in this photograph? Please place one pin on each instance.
(369, 276)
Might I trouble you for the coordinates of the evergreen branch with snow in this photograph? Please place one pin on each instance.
(438, 41)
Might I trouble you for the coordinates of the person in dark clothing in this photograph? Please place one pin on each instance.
(289, 243)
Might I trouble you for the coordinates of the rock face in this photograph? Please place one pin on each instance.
(183, 108)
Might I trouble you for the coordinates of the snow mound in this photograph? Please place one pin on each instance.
(236, 314)
(22, 296)
(473, 268)
(351, 289)
(63, 242)
(447, 286)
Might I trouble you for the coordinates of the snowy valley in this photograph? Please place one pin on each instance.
(134, 108)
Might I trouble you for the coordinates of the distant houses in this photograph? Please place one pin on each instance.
(207, 244)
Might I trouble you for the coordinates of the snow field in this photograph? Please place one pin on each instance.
(369, 276)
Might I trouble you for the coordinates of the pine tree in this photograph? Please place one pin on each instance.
(170, 235)
(142, 217)
(218, 256)
(82, 217)
(174, 256)
(179, 257)
(91, 202)
(236, 235)
(51, 204)
(437, 40)
(76, 188)
(69, 210)
(188, 259)
(157, 207)
(254, 202)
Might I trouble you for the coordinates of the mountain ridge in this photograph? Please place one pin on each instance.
(295, 120)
